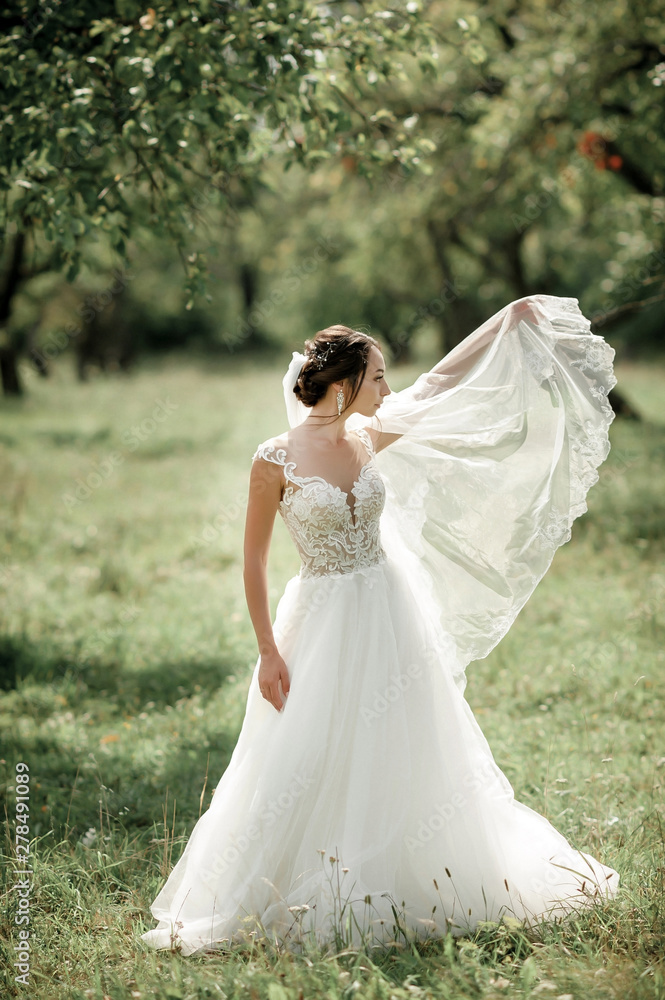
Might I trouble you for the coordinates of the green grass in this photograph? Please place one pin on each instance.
(126, 652)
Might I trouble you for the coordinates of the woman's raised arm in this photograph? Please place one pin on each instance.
(451, 369)
(265, 487)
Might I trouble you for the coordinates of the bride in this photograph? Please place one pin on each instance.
(362, 803)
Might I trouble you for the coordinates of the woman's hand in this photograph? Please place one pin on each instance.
(272, 670)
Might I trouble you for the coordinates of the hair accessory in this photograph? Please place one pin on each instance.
(320, 357)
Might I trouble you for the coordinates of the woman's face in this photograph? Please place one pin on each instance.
(374, 387)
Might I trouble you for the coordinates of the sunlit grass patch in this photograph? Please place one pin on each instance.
(126, 652)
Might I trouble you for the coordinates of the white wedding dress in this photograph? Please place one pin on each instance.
(371, 807)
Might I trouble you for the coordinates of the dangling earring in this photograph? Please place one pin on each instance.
(340, 402)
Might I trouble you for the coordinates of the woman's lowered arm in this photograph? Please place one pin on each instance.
(263, 500)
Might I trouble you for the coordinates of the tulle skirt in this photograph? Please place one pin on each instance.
(370, 809)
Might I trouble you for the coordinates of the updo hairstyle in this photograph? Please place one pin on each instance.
(335, 354)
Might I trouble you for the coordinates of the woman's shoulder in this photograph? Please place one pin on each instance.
(276, 449)
(272, 449)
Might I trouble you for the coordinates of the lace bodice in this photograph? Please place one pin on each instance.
(331, 536)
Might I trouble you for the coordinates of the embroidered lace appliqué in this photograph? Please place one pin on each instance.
(331, 538)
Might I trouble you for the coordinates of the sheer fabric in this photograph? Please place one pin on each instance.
(371, 806)
(330, 537)
(500, 444)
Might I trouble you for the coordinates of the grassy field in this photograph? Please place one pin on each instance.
(126, 652)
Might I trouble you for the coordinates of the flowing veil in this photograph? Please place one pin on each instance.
(499, 444)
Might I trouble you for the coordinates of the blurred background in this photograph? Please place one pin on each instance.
(191, 190)
(207, 180)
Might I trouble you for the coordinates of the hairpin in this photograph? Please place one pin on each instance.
(321, 358)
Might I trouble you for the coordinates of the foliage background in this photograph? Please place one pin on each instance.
(255, 168)
(187, 192)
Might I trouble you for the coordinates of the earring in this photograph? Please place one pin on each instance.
(340, 402)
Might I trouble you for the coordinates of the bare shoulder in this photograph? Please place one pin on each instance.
(272, 449)
(267, 470)
(266, 477)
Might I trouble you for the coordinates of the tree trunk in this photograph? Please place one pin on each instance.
(39, 362)
(457, 318)
(399, 346)
(512, 250)
(622, 407)
(11, 382)
(252, 333)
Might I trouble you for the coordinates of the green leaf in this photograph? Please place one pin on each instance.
(73, 269)
(475, 52)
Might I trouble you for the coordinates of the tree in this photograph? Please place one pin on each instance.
(546, 125)
(114, 117)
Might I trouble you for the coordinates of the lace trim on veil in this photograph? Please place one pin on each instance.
(500, 444)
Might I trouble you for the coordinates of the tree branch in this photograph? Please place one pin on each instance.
(614, 314)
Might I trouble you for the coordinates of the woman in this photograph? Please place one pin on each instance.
(362, 802)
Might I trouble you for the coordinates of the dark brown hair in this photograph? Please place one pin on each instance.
(333, 355)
